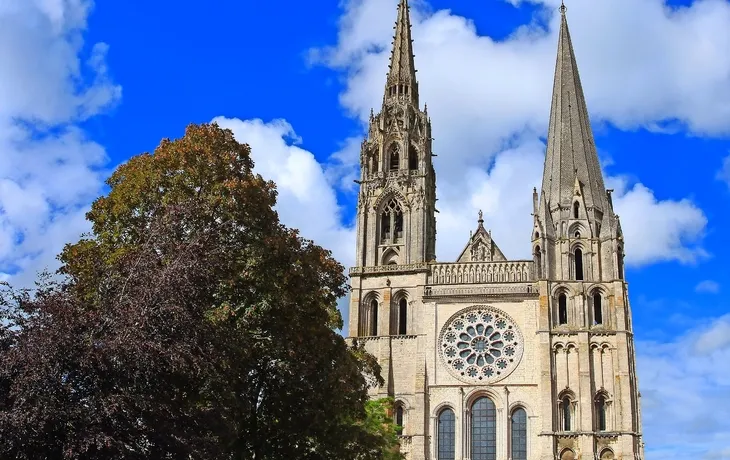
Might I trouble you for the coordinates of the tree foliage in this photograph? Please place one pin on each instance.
(190, 324)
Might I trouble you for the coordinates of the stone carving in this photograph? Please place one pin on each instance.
(481, 344)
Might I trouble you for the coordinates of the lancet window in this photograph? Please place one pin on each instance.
(446, 435)
(391, 222)
(483, 430)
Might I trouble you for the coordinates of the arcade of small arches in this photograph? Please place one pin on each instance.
(368, 324)
(481, 424)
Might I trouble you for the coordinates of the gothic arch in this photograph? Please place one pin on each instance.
(401, 313)
(384, 198)
(567, 454)
(413, 157)
(393, 156)
(368, 318)
(390, 257)
(577, 227)
(607, 454)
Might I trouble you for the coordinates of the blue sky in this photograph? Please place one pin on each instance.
(85, 86)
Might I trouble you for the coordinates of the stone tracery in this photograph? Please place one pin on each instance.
(481, 344)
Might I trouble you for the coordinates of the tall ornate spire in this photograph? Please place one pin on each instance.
(571, 160)
(401, 81)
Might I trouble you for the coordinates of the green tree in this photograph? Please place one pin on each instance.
(191, 324)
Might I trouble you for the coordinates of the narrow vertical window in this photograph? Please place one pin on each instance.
(385, 225)
(576, 208)
(483, 430)
(402, 316)
(562, 309)
(597, 308)
(412, 158)
(399, 420)
(394, 158)
(519, 434)
(538, 263)
(601, 413)
(578, 264)
(446, 435)
(373, 317)
(567, 422)
(398, 218)
(620, 262)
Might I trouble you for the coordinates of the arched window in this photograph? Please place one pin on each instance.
(391, 222)
(483, 430)
(601, 413)
(578, 264)
(446, 435)
(412, 158)
(402, 316)
(562, 309)
(597, 308)
(519, 434)
(394, 158)
(620, 262)
(567, 414)
(567, 454)
(399, 420)
(607, 455)
(576, 209)
(538, 263)
(373, 317)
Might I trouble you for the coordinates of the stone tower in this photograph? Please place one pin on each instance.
(577, 248)
(396, 224)
(489, 358)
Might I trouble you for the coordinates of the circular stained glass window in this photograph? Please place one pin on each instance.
(481, 344)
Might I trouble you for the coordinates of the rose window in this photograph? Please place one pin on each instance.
(481, 344)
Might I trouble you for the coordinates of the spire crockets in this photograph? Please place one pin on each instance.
(401, 81)
(571, 151)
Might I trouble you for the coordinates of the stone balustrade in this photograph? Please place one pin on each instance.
(389, 269)
(515, 289)
(513, 271)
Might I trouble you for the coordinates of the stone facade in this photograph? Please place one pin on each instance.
(548, 342)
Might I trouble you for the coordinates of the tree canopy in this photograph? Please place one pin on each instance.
(190, 324)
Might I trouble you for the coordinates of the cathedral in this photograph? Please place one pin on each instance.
(489, 358)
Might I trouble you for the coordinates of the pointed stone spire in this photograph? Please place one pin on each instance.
(571, 151)
(401, 81)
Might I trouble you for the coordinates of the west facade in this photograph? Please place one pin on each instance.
(489, 358)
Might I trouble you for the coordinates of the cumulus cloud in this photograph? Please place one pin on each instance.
(50, 170)
(489, 103)
(685, 388)
(708, 286)
(306, 199)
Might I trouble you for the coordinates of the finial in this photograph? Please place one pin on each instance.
(481, 217)
(562, 7)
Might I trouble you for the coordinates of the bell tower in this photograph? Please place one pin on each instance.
(396, 222)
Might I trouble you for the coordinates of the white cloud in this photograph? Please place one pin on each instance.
(685, 388)
(724, 173)
(489, 103)
(50, 171)
(306, 199)
(708, 286)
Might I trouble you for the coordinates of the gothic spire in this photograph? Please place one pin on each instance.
(401, 81)
(571, 162)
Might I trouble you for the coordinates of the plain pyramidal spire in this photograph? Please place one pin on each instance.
(571, 150)
(401, 81)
